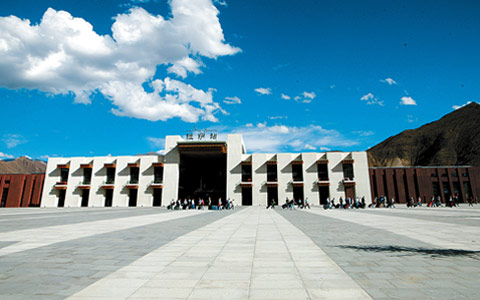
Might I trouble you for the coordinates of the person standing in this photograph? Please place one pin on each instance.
(307, 205)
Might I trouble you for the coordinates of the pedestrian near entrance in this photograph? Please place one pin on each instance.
(307, 205)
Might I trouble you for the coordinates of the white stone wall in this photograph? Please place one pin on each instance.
(73, 195)
(171, 169)
(235, 155)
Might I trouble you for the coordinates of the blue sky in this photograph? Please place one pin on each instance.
(114, 77)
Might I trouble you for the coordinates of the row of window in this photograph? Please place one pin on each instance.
(110, 176)
(297, 172)
(108, 200)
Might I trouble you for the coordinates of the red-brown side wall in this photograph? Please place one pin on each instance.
(24, 190)
(403, 183)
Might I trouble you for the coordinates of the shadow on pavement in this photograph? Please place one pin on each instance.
(404, 251)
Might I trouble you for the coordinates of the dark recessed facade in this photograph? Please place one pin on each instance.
(21, 190)
(401, 183)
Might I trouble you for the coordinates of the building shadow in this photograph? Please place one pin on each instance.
(406, 251)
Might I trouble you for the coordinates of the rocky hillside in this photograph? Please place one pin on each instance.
(22, 165)
(452, 140)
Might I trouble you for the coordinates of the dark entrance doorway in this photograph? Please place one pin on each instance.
(247, 196)
(108, 198)
(157, 197)
(350, 192)
(324, 194)
(203, 169)
(132, 198)
(85, 194)
(61, 198)
(298, 193)
(272, 193)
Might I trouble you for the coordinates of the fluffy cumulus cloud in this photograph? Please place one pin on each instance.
(406, 100)
(389, 81)
(263, 91)
(276, 138)
(371, 99)
(232, 100)
(63, 54)
(5, 156)
(285, 97)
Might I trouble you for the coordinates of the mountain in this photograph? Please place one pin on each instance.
(22, 165)
(452, 140)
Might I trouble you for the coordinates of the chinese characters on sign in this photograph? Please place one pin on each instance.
(201, 135)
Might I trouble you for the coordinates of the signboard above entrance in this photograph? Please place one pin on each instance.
(201, 135)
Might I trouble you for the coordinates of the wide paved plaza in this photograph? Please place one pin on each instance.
(249, 253)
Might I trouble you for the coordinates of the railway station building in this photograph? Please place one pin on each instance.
(203, 168)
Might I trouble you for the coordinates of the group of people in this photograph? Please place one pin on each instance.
(300, 203)
(201, 204)
(348, 203)
(382, 202)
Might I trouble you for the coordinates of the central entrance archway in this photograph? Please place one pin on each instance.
(203, 171)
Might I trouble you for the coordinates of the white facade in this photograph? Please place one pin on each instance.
(236, 156)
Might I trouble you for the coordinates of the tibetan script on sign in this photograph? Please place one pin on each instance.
(201, 135)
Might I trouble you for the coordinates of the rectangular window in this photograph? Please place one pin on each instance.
(134, 171)
(297, 173)
(322, 170)
(64, 175)
(348, 171)
(272, 173)
(110, 175)
(158, 174)
(87, 175)
(246, 173)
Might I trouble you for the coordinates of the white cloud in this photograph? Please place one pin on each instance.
(389, 81)
(286, 97)
(309, 95)
(220, 2)
(455, 107)
(324, 149)
(371, 99)
(263, 91)
(277, 117)
(407, 101)
(232, 100)
(363, 133)
(249, 125)
(13, 140)
(63, 54)
(5, 156)
(279, 138)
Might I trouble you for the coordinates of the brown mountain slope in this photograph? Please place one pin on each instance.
(22, 165)
(452, 140)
